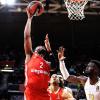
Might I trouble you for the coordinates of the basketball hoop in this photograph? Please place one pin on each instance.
(75, 9)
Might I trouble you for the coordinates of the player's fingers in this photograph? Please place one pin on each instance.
(46, 36)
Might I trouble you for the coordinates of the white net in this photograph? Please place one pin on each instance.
(75, 9)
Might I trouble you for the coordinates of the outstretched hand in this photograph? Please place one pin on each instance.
(61, 53)
(47, 43)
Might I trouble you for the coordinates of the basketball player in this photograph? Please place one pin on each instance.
(62, 84)
(37, 69)
(57, 90)
(91, 83)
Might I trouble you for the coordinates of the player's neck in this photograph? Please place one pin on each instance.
(55, 88)
(93, 80)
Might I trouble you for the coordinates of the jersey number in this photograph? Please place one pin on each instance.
(41, 64)
(91, 96)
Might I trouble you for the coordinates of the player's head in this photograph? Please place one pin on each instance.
(54, 80)
(41, 50)
(93, 68)
(57, 80)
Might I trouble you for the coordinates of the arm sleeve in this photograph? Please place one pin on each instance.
(53, 61)
(63, 69)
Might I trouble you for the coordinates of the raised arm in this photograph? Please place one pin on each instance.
(64, 71)
(52, 58)
(27, 38)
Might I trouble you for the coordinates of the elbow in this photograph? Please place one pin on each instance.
(26, 37)
(53, 67)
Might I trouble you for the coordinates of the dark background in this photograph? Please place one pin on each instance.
(78, 37)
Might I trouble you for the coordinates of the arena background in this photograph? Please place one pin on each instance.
(76, 36)
(80, 38)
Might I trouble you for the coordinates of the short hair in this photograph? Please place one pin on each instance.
(40, 50)
(96, 62)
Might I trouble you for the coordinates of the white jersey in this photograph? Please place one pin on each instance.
(92, 91)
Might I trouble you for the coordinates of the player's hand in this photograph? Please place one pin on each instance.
(28, 14)
(47, 43)
(61, 53)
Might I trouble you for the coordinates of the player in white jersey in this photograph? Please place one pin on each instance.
(91, 82)
(92, 91)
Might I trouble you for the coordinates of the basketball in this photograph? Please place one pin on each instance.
(35, 8)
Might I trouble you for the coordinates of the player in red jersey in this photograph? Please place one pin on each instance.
(57, 90)
(37, 69)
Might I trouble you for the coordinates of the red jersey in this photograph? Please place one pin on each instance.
(57, 95)
(37, 76)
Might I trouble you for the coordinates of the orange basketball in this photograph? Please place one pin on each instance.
(35, 8)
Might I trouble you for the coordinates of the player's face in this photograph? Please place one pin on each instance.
(91, 69)
(54, 78)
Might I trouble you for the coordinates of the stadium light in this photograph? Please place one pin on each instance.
(10, 2)
(7, 2)
(3, 2)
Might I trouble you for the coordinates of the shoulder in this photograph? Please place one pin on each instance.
(67, 93)
(28, 57)
(67, 89)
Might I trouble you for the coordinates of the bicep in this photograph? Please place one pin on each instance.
(77, 79)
